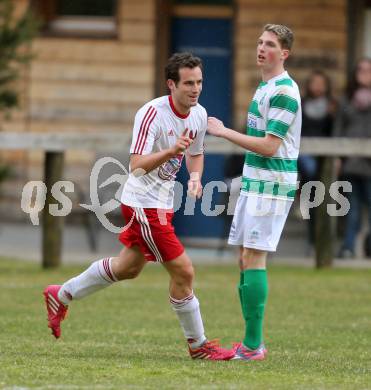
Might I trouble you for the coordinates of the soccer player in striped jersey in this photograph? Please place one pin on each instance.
(166, 129)
(269, 178)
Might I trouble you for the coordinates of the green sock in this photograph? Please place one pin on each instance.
(254, 292)
(239, 288)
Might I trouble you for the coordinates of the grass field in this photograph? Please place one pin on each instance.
(318, 332)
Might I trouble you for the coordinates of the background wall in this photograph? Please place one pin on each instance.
(320, 28)
(78, 84)
(88, 84)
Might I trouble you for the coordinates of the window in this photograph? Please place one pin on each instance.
(203, 2)
(104, 8)
(82, 18)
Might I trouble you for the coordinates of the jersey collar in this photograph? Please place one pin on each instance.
(279, 77)
(178, 114)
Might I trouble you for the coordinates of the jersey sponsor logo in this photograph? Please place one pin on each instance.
(192, 134)
(252, 122)
(169, 169)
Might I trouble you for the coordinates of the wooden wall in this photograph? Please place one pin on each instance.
(83, 85)
(320, 28)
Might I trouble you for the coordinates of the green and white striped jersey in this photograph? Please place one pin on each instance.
(275, 109)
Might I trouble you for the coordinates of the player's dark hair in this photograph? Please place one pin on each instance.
(325, 78)
(353, 83)
(178, 61)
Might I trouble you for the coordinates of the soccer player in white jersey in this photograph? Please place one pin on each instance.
(166, 129)
(269, 178)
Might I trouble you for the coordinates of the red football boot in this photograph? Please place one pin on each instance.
(211, 350)
(56, 310)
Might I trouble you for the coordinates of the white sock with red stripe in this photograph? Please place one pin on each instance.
(188, 312)
(99, 275)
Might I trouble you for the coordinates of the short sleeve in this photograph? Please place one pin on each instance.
(144, 131)
(198, 136)
(283, 107)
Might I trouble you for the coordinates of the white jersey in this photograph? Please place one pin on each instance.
(157, 126)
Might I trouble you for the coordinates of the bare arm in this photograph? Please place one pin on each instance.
(266, 146)
(195, 167)
(149, 162)
(195, 164)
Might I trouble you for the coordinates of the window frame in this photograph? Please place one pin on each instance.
(79, 26)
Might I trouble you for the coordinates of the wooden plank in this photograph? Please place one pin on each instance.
(134, 31)
(143, 10)
(78, 126)
(66, 126)
(203, 11)
(337, 78)
(243, 95)
(325, 38)
(12, 157)
(336, 75)
(90, 51)
(162, 43)
(298, 67)
(35, 160)
(91, 92)
(294, 17)
(91, 111)
(246, 79)
(316, 146)
(11, 191)
(57, 142)
(82, 157)
(140, 74)
(76, 159)
(247, 36)
(16, 115)
(291, 3)
(10, 211)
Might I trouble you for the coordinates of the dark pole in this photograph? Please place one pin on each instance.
(325, 224)
(52, 226)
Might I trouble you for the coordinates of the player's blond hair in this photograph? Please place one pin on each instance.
(284, 35)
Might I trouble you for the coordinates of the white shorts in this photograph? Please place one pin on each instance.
(258, 222)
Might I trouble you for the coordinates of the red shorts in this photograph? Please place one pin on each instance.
(152, 231)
